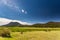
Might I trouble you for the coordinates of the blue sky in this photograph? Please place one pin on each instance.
(31, 11)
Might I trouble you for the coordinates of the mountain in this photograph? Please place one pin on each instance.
(13, 24)
(48, 24)
(45, 25)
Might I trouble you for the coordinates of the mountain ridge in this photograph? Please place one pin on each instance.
(48, 24)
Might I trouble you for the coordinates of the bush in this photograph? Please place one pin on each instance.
(47, 30)
(5, 32)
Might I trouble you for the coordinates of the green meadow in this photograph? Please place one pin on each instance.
(32, 33)
(24, 29)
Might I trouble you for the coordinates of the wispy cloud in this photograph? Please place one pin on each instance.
(12, 5)
(4, 21)
(23, 11)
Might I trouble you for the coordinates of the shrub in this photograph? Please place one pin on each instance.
(47, 30)
(5, 32)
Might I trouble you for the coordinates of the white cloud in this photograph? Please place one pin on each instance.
(23, 11)
(4, 21)
(23, 23)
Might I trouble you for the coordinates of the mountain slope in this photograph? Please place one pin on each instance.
(13, 24)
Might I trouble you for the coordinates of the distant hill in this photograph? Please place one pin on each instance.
(13, 24)
(45, 25)
(48, 24)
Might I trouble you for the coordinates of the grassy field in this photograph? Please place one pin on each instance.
(24, 29)
(32, 33)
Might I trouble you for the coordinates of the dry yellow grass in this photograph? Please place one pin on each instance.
(34, 35)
